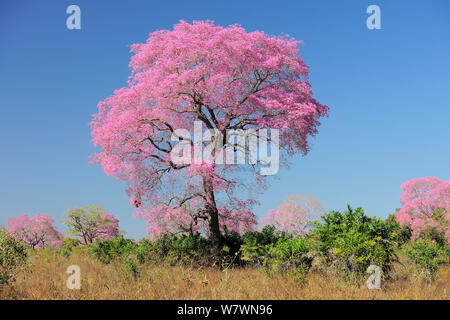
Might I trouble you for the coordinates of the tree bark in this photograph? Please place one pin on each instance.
(211, 208)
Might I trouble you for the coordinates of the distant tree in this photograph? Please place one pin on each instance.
(35, 232)
(295, 214)
(313, 206)
(426, 206)
(90, 223)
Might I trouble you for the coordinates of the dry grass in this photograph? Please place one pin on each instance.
(45, 278)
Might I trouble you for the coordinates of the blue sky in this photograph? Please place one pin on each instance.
(388, 91)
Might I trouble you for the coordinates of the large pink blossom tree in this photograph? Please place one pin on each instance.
(226, 79)
(35, 232)
(426, 204)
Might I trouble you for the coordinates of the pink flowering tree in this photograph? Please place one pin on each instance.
(91, 223)
(225, 79)
(295, 214)
(35, 232)
(426, 204)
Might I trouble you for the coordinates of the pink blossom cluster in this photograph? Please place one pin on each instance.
(35, 232)
(239, 221)
(107, 227)
(426, 204)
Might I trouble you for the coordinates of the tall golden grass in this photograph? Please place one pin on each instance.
(44, 277)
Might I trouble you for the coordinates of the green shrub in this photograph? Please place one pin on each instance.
(350, 241)
(232, 242)
(12, 255)
(278, 252)
(129, 266)
(433, 234)
(68, 246)
(291, 256)
(174, 249)
(426, 254)
(257, 245)
(145, 251)
(108, 250)
(404, 232)
(189, 250)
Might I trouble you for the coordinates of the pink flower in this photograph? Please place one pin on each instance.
(35, 232)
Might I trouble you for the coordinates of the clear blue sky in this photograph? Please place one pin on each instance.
(388, 91)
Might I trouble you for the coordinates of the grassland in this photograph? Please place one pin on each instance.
(44, 277)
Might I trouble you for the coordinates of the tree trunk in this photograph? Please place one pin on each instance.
(214, 229)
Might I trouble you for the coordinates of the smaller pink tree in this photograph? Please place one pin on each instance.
(288, 217)
(35, 232)
(426, 205)
(295, 214)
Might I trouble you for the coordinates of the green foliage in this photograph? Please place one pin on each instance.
(12, 255)
(109, 250)
(278, 252)
(345, 243)
(189, 250)
(257, 245)
(129, 266)
(123, 252)
(69, 245)
(174, 249)
(435, 234)
(426, 255)
(349, 242)
(291, 256)
(404, 232)
(231, 246)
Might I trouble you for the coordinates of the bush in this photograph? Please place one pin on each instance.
(68, 246)
(291, 256)
(174, 249)
(434, 234)
(426, 255)
(257, 245)
(12, 255)
(108, 250)
(189, 250)
(404, 232)
(278, 252)
(129, 266)
(232, 242)
(144, 251)
(349, 242)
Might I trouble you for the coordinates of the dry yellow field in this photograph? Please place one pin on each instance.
(45, 277)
